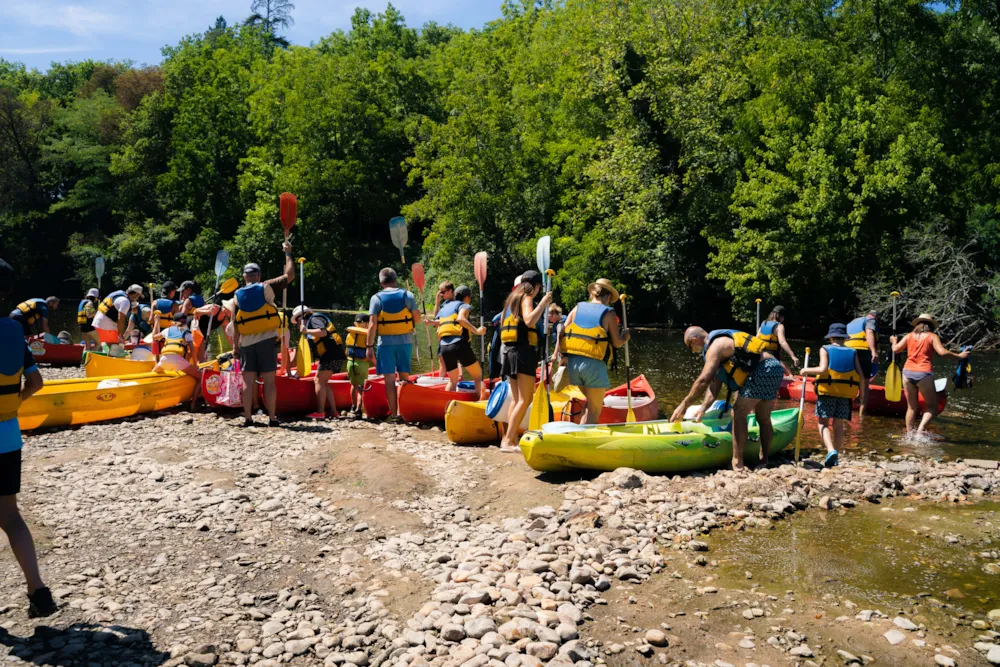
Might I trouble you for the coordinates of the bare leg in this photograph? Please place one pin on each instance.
(863, 398)
(595, 403)
(249, 391)
(270, 395)
(838, 434)
(928, 391)
(740, 411)
(453, 377)
(390, 393)
(321, 382)
(20, 542)
(826, 432)
(763, 412)
(521, 401)
(477, 376)
(193, 371)
(912, 404)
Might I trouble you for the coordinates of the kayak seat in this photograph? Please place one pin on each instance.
(621, 402)
(563, 427)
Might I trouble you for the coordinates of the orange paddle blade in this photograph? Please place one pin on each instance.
(289, 211)
(480, 266)
(417, 270)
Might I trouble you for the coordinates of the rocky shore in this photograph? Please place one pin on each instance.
(181, 539)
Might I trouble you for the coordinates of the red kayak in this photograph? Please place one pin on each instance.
(615, 410)
(294, 395)
(877, 402)
(56, 355)
(426, 400)
(374, 400)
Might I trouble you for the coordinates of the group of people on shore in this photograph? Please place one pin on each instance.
(751, 367)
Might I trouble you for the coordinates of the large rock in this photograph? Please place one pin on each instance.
(477, 628)
(519, 628)
(542, 650)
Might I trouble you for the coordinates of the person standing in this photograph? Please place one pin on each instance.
(357, 361)
(454, 336)
(740, 361)
(328, 349)
(445, 294)
(921, 345)
(862, 336)
(393, 314)
(838, 383)
(255, 328)
(113, 314)
(772, 332)
(33, 315)
(166, 308)
(16, 361)
(519, 353)
(85, 314)
(591, 329)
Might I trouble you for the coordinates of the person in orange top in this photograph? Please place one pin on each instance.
(920, 345)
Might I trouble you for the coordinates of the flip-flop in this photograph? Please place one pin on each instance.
(832, 459)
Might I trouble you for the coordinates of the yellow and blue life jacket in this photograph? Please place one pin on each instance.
(196, 301)
(585, 336)
(448, 326)
(30, 314)
(841, 379)
(856, 339)
(514, 331)
(331, 343)
(395, 319)
(174, 342)
(138, 322)
(254, 314)
(11, 369)
(769, 334)
(735, 370)
(107, 307)
(357, 343)
(83, 318)
(165, 309)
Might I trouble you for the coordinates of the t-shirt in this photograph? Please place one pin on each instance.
(375, 307)
(14, 354)
(270, 287)
(448, 340)
(123, 305)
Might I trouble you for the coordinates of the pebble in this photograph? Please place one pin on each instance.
(943, 661)
(656, 637)
(894, 637)
(904, 623)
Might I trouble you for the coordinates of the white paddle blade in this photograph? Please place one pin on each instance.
(397, 230)
(221, 262)
(99, 267)
(542, 254)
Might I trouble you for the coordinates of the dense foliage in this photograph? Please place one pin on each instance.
(701, 153)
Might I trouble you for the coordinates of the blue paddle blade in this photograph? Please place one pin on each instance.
(99, 267)
(397, 230)
(221, 262)
(542, 254)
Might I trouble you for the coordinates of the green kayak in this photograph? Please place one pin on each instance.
(658, 446)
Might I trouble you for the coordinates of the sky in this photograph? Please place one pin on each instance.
(37, 32)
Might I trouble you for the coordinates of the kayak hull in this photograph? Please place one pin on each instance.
(652, 446)
(100, 365)
(56, 355)
(294, 395)
(878, 404)
(428, 403)
(80, 401)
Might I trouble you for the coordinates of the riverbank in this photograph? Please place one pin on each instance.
(181, 539)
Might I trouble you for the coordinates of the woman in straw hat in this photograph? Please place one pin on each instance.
(921, 344)
(590, 331)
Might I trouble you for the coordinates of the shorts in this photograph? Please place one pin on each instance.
(10, 471)
(173, 362)
(518, 360)
(454, 354)
(392, 359)
(357, 372)
(329, 363)
(90, 336)
(587, 372)
(763, 383)
(109, 336)
(833, 407)
(865, 359)
(259, 357)
(916, 377)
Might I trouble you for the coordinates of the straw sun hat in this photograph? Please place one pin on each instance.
(924, 317)
(604, 284)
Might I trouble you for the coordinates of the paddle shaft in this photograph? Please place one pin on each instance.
(208, 334)
(758, 314)
(802, 406)
(630, 415)
(482, 339)
(893, 324)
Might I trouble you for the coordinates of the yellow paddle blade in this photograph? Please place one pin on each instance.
(630, 415)
(893, 383)
(229, 285)
(303, 358)
(539, 408)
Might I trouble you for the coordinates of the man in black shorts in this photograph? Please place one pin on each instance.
(16, 360)
(454, 330)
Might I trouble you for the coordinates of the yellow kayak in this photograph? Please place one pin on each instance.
(466, 423)
(102, 366)
(88, 400)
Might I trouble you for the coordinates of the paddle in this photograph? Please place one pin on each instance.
(398, 233)
(288, 206)
(303, 357)
(540, 407)
(419, 280)
(480, 268)
(99, 270)
(758, 315)
(802, 407)
(893, 376)
(630, 415)
(221, 264)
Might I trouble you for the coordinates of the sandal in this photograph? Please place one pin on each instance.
(510, 450)
(274, 423)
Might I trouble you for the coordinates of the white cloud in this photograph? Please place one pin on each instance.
(76, 19)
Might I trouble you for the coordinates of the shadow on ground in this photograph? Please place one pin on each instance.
(83, 643)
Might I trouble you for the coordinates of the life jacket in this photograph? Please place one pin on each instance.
(331, 342)
(856, 339)
(165, 309)
(12, 348)
(841, 379)
(174, 342)
(357, 343)
(196, 301)
(82, 318)
(138, 322)
(448, 326)
(30, 312)
(735, 370)
(585, 336)
(769, 334)
(395, 319)
(107, 307)
(254, 315)
(513, 330)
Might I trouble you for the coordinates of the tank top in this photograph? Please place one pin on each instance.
(919, 353)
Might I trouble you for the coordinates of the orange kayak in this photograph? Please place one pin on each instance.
(615, 410)
(426, 400)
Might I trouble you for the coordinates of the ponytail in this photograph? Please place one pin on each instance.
(515, 297)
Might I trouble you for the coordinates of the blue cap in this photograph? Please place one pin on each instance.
(837, 330)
